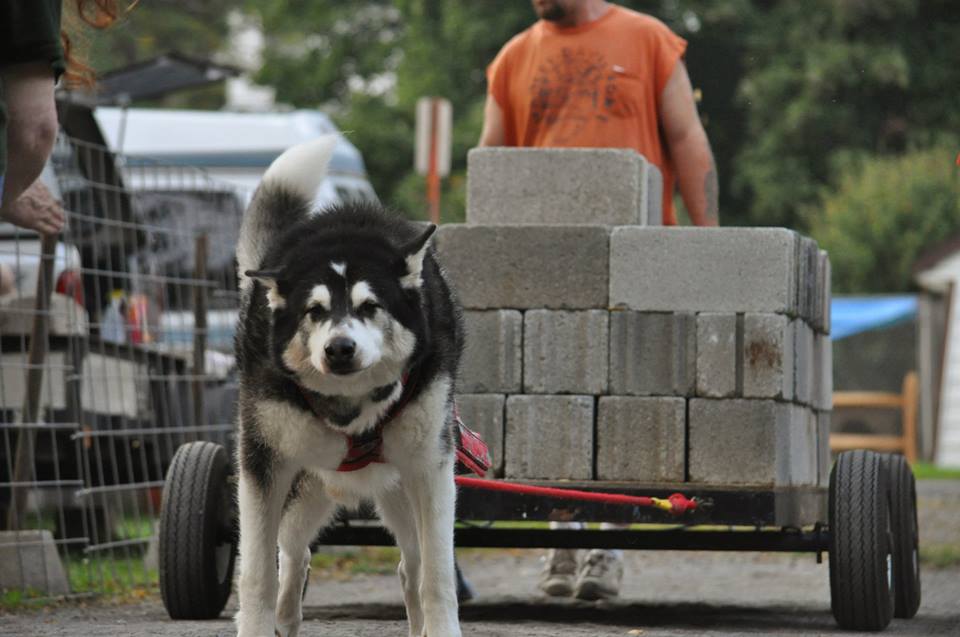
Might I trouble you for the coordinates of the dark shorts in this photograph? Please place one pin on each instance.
(29, 32)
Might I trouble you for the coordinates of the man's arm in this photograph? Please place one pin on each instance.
(689, 149)
(492, 134)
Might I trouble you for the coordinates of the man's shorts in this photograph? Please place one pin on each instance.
(29, 32)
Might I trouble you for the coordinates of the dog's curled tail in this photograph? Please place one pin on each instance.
(284, 196)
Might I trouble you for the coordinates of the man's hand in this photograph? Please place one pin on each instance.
(493, 133)
(36, 209)
(689, 149)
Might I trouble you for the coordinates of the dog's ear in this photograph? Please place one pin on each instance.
(413, 253)
(270, 279)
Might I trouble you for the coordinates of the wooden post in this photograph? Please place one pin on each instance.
(199, 328)
(433, 172)
(911, 394)
(24, 454)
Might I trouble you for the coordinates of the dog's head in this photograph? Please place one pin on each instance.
(346, 305)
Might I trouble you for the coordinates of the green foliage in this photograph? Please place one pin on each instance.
(884, 213)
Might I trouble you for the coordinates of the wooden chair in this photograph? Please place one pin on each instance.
(906, 402)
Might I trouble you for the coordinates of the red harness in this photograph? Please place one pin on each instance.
(367, 448)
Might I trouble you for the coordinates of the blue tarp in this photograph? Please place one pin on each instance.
(851, 315)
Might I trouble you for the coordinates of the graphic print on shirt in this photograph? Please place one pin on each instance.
(574, 88)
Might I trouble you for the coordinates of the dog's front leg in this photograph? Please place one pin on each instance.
(433, 496)
(261, 499)
(396, 513)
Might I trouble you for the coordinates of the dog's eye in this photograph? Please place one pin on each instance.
(317, 313)
(368, 308)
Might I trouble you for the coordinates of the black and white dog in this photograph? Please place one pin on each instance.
(348, 346)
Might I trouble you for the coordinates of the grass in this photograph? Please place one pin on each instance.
(366, 560)
(940, 556)
(928, 471)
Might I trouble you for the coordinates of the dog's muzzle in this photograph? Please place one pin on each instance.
(340, 352)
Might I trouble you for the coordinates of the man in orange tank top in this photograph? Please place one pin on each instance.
(592, 74)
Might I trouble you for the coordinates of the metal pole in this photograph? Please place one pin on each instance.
(199, 327)
(30, 413)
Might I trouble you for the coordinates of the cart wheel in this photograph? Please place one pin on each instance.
(906, 537)
(861, 562)
(197, 544)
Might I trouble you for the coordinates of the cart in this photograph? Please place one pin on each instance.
(866, 522)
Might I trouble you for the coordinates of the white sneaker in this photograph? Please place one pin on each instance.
(559, 573)
(600, 575)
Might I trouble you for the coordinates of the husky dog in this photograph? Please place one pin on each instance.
(348, 346)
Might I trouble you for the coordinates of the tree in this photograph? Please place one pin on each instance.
(884, 213)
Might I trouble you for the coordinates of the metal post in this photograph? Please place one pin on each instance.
(30, 412)
(199, 327)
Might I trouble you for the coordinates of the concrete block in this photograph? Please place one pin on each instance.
(804, 363)
(737, 441)
(716, 355)
(768, 352)
(822, 393)
(824, 458)
(493, 352)
(29, 560)
(704, 269)
(484, 414)
(804, 457)
(526, 267)
(557, 186)
(654, 196)
(641, 439)
(826, 291)
(653, 354)
(549, 437)
(565, 352)
(808, 265)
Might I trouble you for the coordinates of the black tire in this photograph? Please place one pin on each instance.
(906, 537)
(197, 538)
(861, 540)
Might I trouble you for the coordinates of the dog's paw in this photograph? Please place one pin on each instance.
(288, 630)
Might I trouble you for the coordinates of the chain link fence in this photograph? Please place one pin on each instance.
(115, 348)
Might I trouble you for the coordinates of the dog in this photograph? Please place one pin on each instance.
(347, 346)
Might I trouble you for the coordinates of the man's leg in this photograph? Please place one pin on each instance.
(601, 571)
(559, 574)
(31, 131)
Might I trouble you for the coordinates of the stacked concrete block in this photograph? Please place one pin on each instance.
(549, 437)
(606, 186)
(653, 354)
(641, 439)
(492, 356)
(526, 267)
(601, 346)
(484, 413)
(565, 352)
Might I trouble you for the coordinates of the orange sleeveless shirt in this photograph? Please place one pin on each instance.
(591, 86)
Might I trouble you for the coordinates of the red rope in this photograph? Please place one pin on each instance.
(680, 503)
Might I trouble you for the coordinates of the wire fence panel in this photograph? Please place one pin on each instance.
(115, 349)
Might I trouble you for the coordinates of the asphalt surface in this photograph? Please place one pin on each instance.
(664, 594)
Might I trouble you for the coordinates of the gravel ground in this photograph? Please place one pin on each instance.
(664, 594)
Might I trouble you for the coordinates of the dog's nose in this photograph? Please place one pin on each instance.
(340, 350)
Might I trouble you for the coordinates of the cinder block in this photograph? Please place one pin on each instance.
(808, 264)
(483, 413)
(565, 352)
(804, 363)
(526, 267)
(824, 458)
(29, 560)
(704, 269)
(557, 186)
(654, 196)
(826, 291)
(653, 354)
(804, 456)
(641, 439)
(751, 442)
(822, 394)
(493, 353)
(549, 437)
(768, 352)
(716, 355)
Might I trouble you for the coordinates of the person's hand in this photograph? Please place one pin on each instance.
(36, 209)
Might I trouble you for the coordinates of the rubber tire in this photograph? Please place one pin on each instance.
(861, 540)
(906, 537)
(196, 523)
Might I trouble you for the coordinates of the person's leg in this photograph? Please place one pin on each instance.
(31, 130)
(560, 570)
